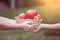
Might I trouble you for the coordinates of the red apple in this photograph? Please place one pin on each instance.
(37, 17)
(22, 16)
(31, 13)
(35, 11)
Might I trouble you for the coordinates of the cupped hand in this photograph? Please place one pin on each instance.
(28, 25)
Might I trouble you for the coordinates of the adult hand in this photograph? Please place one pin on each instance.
(28, 25)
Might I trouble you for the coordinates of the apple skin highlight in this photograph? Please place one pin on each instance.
(31, 13)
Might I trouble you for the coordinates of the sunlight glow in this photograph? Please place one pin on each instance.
(52, 2)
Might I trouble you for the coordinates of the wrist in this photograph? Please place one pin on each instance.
(18, 26)
(42, 26)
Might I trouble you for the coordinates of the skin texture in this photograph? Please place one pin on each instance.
(43, 26)
(10, 24)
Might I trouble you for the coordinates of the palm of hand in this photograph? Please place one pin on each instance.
(29, 24)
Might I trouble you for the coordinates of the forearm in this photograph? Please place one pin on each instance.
(8, 24)
(51, 26)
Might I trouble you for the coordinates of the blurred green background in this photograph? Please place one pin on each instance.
(49, 14)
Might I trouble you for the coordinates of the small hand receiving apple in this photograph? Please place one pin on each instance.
(31, 16)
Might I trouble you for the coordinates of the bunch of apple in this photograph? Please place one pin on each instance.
(30, 14)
